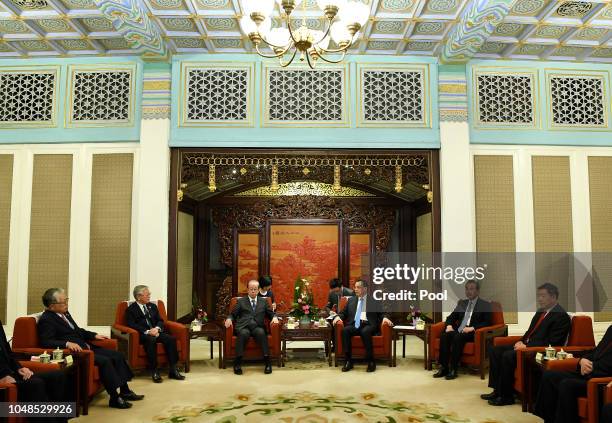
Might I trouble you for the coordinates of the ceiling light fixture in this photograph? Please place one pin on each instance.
(344, 19)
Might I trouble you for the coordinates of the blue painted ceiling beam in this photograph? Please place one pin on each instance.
(129, 18)
(477, 23)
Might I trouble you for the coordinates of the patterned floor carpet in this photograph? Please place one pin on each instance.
(306, 390)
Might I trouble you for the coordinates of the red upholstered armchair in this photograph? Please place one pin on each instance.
(252, 350)
(129, 339)
(474, 353)
(588, 407)
(25, 340)
(8, 391)
(580, 338)
(380, 343)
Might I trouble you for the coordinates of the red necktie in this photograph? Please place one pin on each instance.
(542, 316)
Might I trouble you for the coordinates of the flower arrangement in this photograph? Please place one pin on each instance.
(199, 312)
(303, 301)
(416, 314)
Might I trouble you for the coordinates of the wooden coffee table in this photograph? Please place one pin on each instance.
(306, 333)
(214, 331)
(403, 331)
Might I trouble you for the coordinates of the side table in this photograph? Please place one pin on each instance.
(214, 331)
(405, 330)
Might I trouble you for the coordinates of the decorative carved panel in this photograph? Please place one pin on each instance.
(505, 99)
(393, 96)
(352, 215)
(578, 101)
(217, 94)
(101, 97)
(314, 97)
(27, 97)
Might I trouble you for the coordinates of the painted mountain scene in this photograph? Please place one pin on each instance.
(308, 251)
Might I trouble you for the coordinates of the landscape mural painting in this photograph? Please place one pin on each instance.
(248, 259)
(306, 250)
(359, 251)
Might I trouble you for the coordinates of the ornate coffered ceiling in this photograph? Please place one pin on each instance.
(453, 30)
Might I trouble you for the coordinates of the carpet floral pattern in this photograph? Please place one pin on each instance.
(308, 407)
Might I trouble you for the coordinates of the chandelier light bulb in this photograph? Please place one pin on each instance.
(279, 37)
(247, 25)
(340, 33)
(355, 12)
(288, 5)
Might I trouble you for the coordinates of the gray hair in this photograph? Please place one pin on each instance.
(50, 296)
(138, 290)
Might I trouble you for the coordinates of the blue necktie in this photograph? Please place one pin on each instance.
(253, 304)
(358, 314)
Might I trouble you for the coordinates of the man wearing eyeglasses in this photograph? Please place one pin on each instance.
(57, 329)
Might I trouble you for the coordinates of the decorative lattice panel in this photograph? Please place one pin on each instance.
(393, 97)
(26, 98)
(577, 101)
(101, 97)
(505, 99)
(305, 96)
(217, 95)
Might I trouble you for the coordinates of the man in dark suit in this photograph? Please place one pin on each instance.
(337, 291)
(470, 314)
(549, 326)
(249, 314)
(557, 399)
(57, 329)
(143, 316)
(359, 321)
(40, 387)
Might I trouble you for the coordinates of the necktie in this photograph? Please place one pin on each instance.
(535, 327)
(358, 314)
(67, 321)
(147, 316)
(466, 317)
(253, 304)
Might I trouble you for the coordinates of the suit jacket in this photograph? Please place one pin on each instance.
(269, 294)
(481, 315)
(8, 364)
(244, 317)
(347, 314)
(601, 356)
(552, 331)
(136, 319)
(334, 298)
(54, 332)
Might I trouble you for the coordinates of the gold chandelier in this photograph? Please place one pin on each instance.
(344, 19)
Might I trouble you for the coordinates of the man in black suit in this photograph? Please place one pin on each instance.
(337, 291)
(359, 321)
(549, 326)
(470, 314)
(40, 387)
(557, 399)
(57, 329)
(143, 316)
(249, 314)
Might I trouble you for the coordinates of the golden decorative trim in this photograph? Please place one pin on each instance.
(444, 88)
(319, 189)
(156, 85)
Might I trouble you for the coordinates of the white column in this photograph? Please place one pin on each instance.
(19, 242)
(80, 216)
(150, 223)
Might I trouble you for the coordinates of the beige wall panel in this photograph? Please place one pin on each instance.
(6, 186)
(552, 212)
(184, 265)
(49, 226)
(110, 235)
(600, 191)
(495, 229)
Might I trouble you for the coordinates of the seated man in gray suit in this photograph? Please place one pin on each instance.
(249, 313)
(359, 321)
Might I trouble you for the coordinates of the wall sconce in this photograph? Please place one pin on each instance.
(179, 193)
